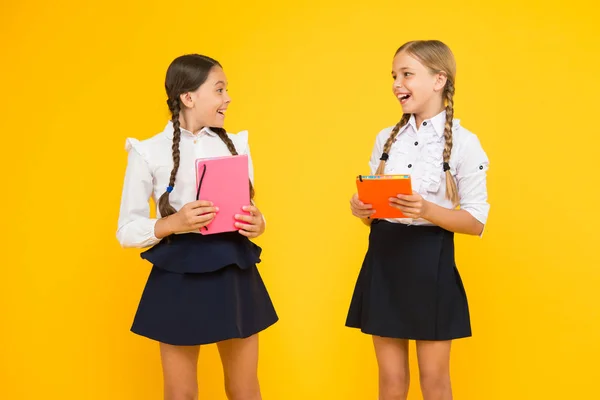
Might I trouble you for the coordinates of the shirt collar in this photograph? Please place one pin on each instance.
(438, 123)
(169, 131)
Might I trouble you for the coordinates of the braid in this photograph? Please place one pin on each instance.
(231, 147)
(164, 206)
(451, 190)
(388, 144)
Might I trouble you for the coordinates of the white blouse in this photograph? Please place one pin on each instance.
(149, 167)
(417, 151)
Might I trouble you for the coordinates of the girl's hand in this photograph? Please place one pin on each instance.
(252, 225)
(360, 209)
(412, 206)
(192, 216)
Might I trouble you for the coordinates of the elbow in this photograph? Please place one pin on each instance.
(129, 239)
(125, 240)
(477, 225)
(478, 219)
(125, 244)
(477, 229)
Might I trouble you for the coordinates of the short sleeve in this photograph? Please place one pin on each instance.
(471, 175)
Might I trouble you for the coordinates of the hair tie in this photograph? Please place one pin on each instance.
(446, 167)
(169, 189)
(384, 157)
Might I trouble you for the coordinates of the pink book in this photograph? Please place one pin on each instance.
(225, 182)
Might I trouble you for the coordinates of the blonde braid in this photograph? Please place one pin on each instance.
(388, 144)
(451, 189)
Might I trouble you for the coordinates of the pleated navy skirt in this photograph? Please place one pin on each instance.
(409, 286)
(203, 289)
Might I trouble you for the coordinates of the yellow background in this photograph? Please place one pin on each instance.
(310, 81)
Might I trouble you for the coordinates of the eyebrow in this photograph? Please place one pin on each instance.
(402, 69)
(219, 82)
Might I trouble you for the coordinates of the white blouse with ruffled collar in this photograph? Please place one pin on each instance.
(147, 176)
(417, 151)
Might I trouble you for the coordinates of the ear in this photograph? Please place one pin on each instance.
(440, 81)
(187, 100)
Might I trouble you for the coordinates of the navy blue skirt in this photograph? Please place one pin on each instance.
(409, 286)
(203, 289)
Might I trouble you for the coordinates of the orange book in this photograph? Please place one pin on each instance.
(377, 189)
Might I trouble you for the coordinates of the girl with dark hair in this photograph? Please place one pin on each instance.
(201, 289)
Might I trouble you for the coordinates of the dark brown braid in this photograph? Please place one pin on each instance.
(388, 144)
(164, 206)
(222, 133)
(185, 74)
(451, 190)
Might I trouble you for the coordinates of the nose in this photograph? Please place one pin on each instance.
(227, 98)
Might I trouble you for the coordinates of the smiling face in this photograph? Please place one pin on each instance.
(418, 88)
(208, 103)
